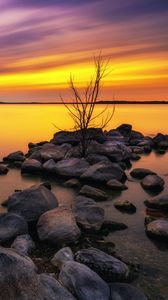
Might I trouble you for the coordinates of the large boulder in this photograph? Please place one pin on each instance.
(108, 267)
(103, 172)
(18, 278)
(94, 193)
(49, 151)
(50, 166)
(58, 226)
(31, 166)
(14, 156)
(84, 283)
(152, 183)
(32, 202)
(125, 130)
(23, 244)
(11, 225)
(125, 291)
(73, 167)
(158, 202)
(158, 229)
(140, 173)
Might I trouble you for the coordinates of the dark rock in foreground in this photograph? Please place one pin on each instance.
(152, 183)
(32, 202)
(124, 291)
(125, 205)
(84, 283)
(62, 256)
(158, 202)
(11, 225)
(31, 166)
(112, 225)
(73, 167)
(140, 173)
(58, 226)
(23, 244)
(114, 184)
(158, 229)
(94, 193)
(108, 267)
(72, 183)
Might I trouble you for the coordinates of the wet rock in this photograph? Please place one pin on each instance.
(140, 173)
(58, 226)
(158, 229)
(116, 185)
(51, 289)
(47, 184)
(83, 282)
(115, 135)
(96, 158)
(18, 278)
(94, 193)
(113, 225)
(153, 183)
(106, 266)
(158, 202)
(73, 167)
(32, 202)
(124, 291)
(125, 130)
(83, 201)
(23, 244)
(137, 150)
(49, 151)
(159, 138)
(72, 183)
(11, 225)
(3, 170)
(31, 166)
(125, 205)
(135, 157)
(103, 172)
(62, 256)
(49, 166)
(14, 156)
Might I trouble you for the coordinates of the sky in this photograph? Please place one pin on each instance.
(43, 42)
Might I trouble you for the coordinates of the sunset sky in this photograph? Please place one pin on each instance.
(43, 41)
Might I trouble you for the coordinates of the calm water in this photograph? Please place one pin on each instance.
(21, 124)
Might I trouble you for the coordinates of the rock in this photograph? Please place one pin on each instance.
(81, 201)
(158, 202)
(31, 166)
(58, 226)
(49, 151)
(32, 202)
(135, 157)
(62, 256)
(72, 183)
(73, 167)
(106, 266)
(11, 225)
(115, 135)
(49, 166)
(153, 183)
(137, 149)
(159, 138)
(18, 278)
(140, 173)
(3, 170)
(47, 184)
(125, 130)
(14, 156)
(116, 185)
(125, 291)
(94, 193)
(103, 172)
(51, 289)
(89, 217)
(158, 229)
(113, 225)
(125, 205)
(23, 244)
(96, 158)
(83, 282)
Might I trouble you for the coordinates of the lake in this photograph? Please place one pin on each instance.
(21, 124)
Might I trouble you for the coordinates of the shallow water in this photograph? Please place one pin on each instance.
(21, 124)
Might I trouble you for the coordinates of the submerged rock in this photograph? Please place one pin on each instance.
(62, 256)
(140, 173)
(158, 229)
(72, 183)
(113, 225)
(108, 267)
(94, 193)
(32, 202)
(116, 185)
(23, 244)
(84, 283)
(125, 205)
(3, 170)
(58, 226)
(103, 172)
(158, 202)
(152, 182)
(125, 291)
(14, 156)
(11, 225)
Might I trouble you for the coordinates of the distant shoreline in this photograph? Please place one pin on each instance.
(98, 102)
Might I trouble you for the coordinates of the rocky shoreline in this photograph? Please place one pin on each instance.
(84, 267)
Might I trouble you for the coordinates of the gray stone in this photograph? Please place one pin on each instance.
(140, 173)
(153, 183)
(58, 226)
(23, 244)
(94, 193)
(158, 202)
(32, 202)
(62, 256)
(103, 172)
(108, 267)
(125, 205)
(83, 282)
(125, 291)
(31, 166)
(11, 225)
(73, 167)
(116, 185)
(158, 229)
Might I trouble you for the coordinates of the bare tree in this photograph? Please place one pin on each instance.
(82, 108)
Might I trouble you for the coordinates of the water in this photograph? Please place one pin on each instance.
(21, 124)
